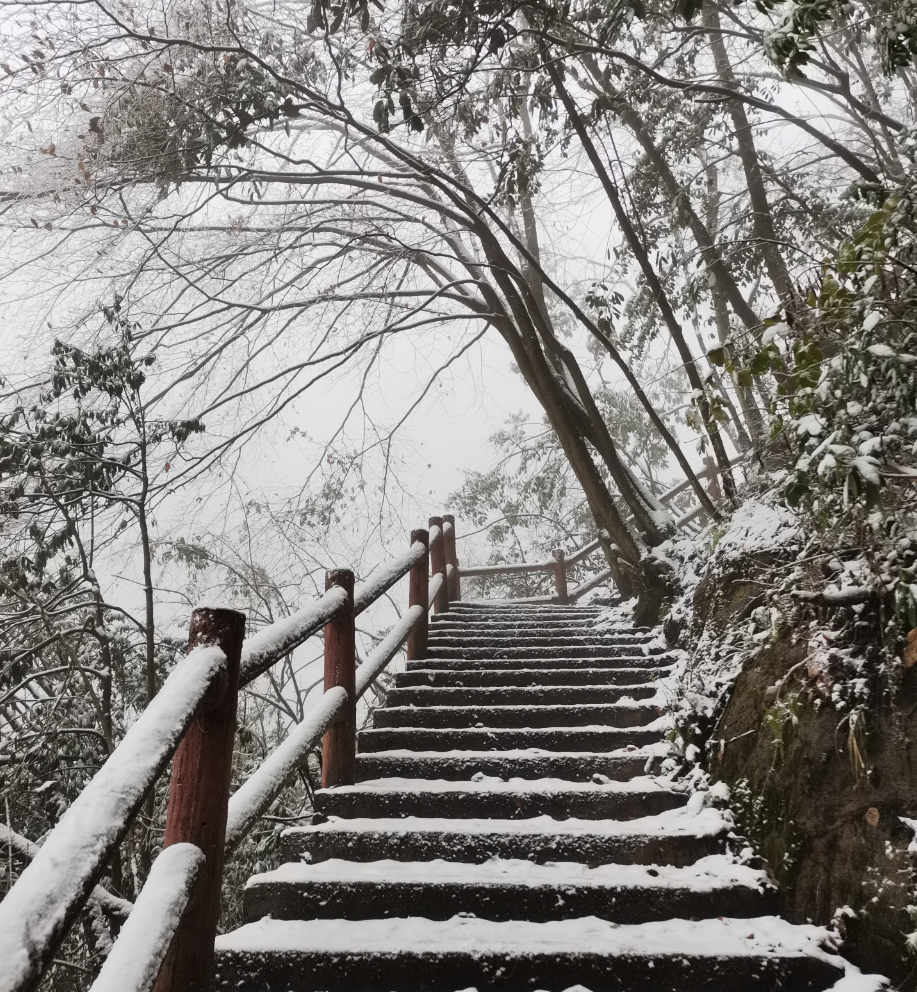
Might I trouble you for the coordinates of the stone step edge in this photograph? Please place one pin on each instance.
(711, 873)
(681, 822)
(768, 937)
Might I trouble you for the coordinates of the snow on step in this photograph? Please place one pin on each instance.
(492, 784)
(681, 822)
(421, 675)
(493, 797)
(595, 738)
(517, 715)
(677, 837)
(502, 889)
(716, 871)
(454, 660)
(529, 638)
(502, 626)
(565, 650)
(710, 955)
(532, 763)
(516, 695)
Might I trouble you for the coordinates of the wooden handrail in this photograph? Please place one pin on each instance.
(454, 582)
(266, 783)
(560, 577)
(339, 745)
(145, 939)
(38, 910)
(438, 563)
(584, 552)
(487, 571)
(419, 595)
(523, 568)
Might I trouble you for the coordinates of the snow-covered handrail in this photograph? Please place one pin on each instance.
(375, 664)
(134, 962)
(590, 584)
(40, 907)
(436, 583)
(263, 786)
(385, 577)
(271, 643)
(108, 903)
(63, 874)
(584, 552)
(520, 568)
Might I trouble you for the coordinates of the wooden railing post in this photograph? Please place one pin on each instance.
(419, 595)
(455, 583)
(198, 798)
(560, 577)
(438, 564)
(339, 745)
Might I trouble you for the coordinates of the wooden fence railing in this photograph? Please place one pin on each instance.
(558, 567)
(167, 941)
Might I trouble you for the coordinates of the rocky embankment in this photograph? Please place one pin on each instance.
(800, 693)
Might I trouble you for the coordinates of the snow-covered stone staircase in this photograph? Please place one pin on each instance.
(507, 832)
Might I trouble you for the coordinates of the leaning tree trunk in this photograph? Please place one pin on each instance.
(649, 273)
(762, 216)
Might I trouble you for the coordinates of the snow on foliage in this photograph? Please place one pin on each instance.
(756, 526)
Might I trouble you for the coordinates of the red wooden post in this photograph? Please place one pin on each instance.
(419, 595)
(198, 798)
(339, 745)
(455, 583)
(438, 564)
(560, 577)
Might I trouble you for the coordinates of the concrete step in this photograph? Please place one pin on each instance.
(496, 717)
(496, 644)
(542, 610)
(533, 695)
(507, 890)
(437, 663)
(420, 955)
(676, 837)
(467, 649)
(515, 676)
(495, 799)
(459, 766)
(532, 621)
(464, 624)
(484, 739)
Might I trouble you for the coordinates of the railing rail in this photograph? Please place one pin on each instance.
(558, 567)
(184, 722)
(562, 562)
(39, 909)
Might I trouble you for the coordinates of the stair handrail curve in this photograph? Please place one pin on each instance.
(40, 908)
(559, 566)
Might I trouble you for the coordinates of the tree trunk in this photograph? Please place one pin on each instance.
(762, 217)
(659, 295)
